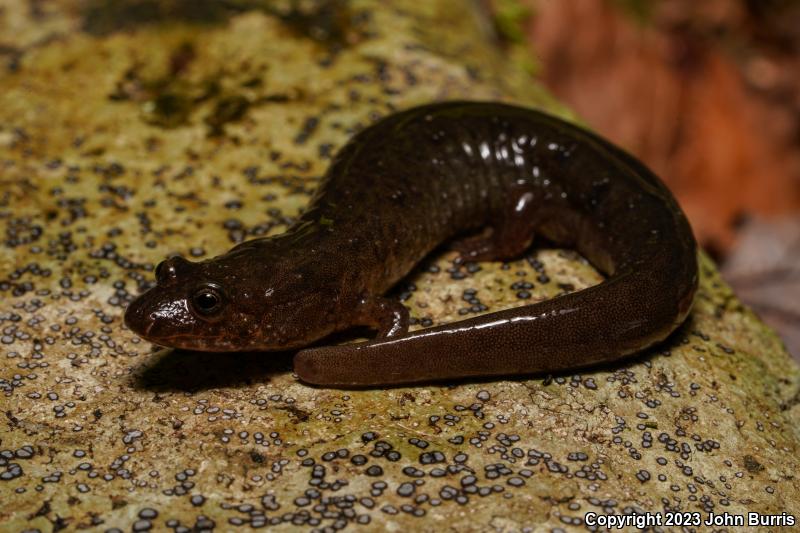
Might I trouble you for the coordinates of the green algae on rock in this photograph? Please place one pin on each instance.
(103, 431)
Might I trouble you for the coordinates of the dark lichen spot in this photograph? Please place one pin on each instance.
(228, 109)
(102, 17)
(329, 22)
(168, 109)
(257, 457)
(308, 128)
(752, 465)
(374, 471)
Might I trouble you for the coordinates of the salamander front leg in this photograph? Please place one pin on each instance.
(509, 236)
(388, 317)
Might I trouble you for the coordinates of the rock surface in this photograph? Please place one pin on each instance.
(130, 131)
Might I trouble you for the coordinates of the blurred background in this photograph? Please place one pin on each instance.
(707, 93)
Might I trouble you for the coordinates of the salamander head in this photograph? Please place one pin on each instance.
(228, 304)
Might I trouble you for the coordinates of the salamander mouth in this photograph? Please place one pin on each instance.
(139, 319)
(190, 342)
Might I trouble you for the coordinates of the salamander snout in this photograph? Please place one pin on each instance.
(184, 310)
(156, 317)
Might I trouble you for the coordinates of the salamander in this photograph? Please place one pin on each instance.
(485, 176)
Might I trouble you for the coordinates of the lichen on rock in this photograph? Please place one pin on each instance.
(121, 144)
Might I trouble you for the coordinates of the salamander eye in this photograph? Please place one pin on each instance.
(207, 300)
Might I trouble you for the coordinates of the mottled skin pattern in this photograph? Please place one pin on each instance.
(399, 189)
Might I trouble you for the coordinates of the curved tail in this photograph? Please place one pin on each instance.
(621, 316)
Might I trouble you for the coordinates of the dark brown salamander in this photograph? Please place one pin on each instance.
(398, 190)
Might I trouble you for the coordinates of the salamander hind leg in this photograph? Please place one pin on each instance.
(510, 235)
(388, 317)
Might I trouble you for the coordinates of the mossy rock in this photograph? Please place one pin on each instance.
(133, 130)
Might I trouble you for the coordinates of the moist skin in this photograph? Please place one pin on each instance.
(395, 192)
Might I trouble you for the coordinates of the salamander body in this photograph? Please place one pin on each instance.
(398, 190)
